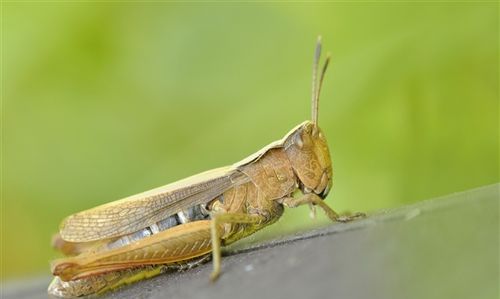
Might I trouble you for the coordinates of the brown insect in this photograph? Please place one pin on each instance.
(180, 225)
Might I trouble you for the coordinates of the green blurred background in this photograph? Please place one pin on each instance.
(101, 101)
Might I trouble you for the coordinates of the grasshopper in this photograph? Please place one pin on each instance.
(184, 223)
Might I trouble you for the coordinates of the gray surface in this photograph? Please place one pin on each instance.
(442, 248)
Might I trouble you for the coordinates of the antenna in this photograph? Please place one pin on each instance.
(316, 88)
(314, 96)
(323, 71)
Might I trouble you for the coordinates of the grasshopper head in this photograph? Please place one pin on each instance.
(307, 150)
(306, 145)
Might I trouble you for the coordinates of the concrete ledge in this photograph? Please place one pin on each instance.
(441, 248)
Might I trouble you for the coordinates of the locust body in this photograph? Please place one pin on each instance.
(184, 223)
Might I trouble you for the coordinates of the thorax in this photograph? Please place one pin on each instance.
(271, 178)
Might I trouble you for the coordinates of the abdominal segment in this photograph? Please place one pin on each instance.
(179, 238)
(177, 244)
(195, 213)
(101, 283)
(189, 215)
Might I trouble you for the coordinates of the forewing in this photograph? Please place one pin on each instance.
(141, 210)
